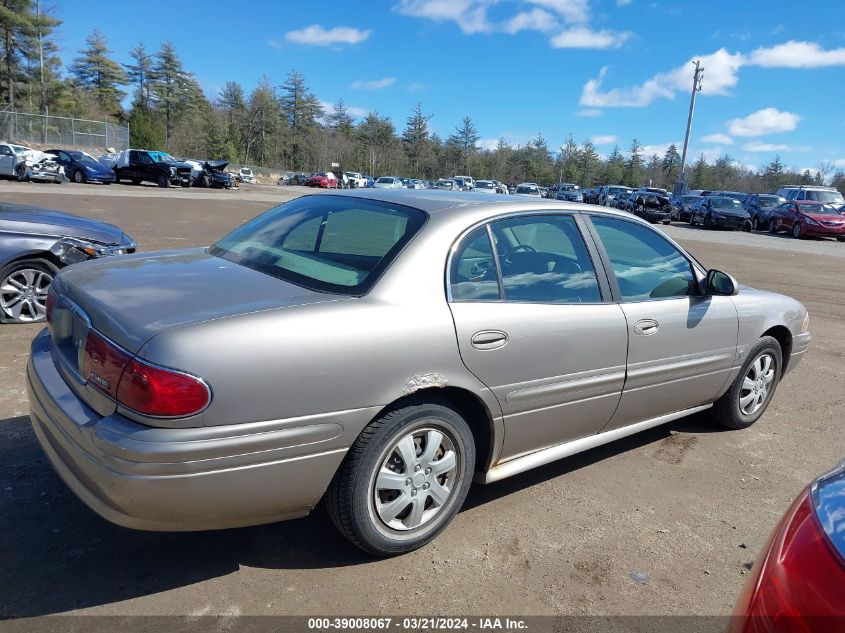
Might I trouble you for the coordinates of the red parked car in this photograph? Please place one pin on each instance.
(322, 179)
(804, 218)
(797, 584)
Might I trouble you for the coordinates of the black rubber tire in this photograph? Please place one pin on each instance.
(347, 498)
(38, 264)
(840, 239)
(665, 222)
(708, 222)
(136, 181)
(692, 218)
(163, 181)
(772, 227)
(22, 173)
(79, 176)
(726, 411)
(755, 224)
(796, 231)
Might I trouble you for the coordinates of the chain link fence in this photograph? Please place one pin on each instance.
(62, 131)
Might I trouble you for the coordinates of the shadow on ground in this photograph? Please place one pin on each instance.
(56, 555)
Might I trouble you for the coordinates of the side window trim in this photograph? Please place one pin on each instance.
(695, 267)
(496, 265)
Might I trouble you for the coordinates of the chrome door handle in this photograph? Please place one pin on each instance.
(646, 327)
(489, 339)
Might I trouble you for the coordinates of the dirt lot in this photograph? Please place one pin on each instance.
(687, 506)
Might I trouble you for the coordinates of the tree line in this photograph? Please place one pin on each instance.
(285, 126)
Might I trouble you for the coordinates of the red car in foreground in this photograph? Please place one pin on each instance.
(804, 218)
(798, 583)
(322, 179)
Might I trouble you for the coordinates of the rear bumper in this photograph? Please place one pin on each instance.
(183, 479)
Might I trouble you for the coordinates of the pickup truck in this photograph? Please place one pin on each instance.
(140, 165)
(356, 180)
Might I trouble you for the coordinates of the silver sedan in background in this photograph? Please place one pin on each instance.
(379, 350)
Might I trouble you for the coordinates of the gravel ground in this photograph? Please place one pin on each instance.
(686, 506)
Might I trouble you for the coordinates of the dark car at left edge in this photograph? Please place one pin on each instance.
(35, 244)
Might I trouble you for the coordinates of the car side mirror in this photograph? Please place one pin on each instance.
(720, 283)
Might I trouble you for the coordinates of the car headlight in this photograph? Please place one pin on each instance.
(172, 171)
(808, 220)
(71, 250)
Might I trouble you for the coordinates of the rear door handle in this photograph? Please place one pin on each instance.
(646, 327)
(489, 339)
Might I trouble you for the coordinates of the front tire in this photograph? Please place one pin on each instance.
(796, 230)
(404, 479)
(752, 391)
(23, 290)
(78, 176)
(163, 181)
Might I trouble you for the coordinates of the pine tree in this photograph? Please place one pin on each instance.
(300, 109)
(671, 165)
(96, 71)
(16, 25)
(172, 88)
(614, 167)
(415, 137)
(465, 137)
(141, 74)
(589, 164)
(339, 118)
(568, 163)
(634, 166)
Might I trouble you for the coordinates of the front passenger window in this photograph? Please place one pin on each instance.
(646, 265)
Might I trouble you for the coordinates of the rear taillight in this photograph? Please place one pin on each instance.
(161, 392)
(797, 584)
(140, 386)
(103, 363)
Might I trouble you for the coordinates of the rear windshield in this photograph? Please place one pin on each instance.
(483, 184)
(770, 201)
(618, 190)
(388, 180)
(531, 190)
(325, 243)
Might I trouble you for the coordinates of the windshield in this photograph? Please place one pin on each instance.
(444, 183)
(384, 179)
(529, 190)
(729, 204)
(18, 149)
(483, 184)
(246, 171)
(822, 209)
(830, 197)
(569, 187)
(736, 195)
(618, 190)
(770, 201)
(82, 157)
(162, 157)
(326, 243)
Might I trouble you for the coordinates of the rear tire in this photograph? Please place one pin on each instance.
(752, 390)
(412, 449)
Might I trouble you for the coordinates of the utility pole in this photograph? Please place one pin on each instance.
(681, 185)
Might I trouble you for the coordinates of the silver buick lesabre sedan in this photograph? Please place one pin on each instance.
(381, 349)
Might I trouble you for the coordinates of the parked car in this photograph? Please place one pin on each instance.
(413, 183)
(760, 207)
(625, 201)
(138, 165)
(826, 195)
(796, 583)
(446, 185)
(324, 179)
(389, 182)
(569, 191)
(35, 243)
(245, 175)
(527, 189)
(370, 181)
(683, 207)
(736, 195)
(485, 186)
(82, 167)
(214, 175)
(720, 212)
(153, 431)
(652, 207)
(466, 182)
(356, 180)
(293, 178)
(12, 165)
(501, 187)
(806, 218)
(24, 163)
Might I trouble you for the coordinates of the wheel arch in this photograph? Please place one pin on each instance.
(783, 336)
(472, 409)
(46, 256)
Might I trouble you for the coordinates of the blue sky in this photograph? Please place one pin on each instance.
(608, 70)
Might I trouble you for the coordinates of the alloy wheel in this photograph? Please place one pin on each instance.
(757, 384)
(416, 479)
(796, 230)
(23, 295)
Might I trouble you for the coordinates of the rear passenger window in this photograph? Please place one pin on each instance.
(473, 275)
(543, 259)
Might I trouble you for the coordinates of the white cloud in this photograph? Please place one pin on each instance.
(758, 146)
(317, 35)
(570, 10)
(582, 37)
(373, 84)
(659, 149)
(794, 54)
(765, 121)
(533, 20)
(604, 139)
(721, 74)
(469, 15)
(721, 139)
(589, 112)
